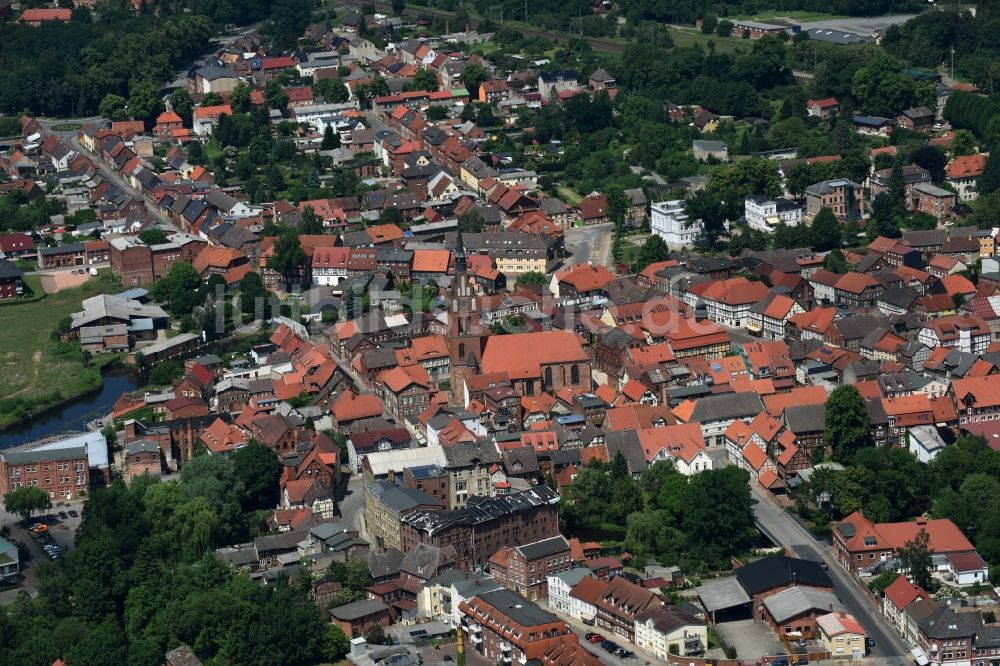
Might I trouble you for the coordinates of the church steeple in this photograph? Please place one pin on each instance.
(461, 263)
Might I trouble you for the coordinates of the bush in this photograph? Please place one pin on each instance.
(165, 372)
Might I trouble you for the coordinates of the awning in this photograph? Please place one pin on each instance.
(919, 656)
(753, 327)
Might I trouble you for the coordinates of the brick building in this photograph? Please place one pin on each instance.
(62, 473)
(142, 457)
(506, 628)
(525, 569)
(485, 525)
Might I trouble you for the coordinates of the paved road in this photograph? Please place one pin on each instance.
(74, 141)
(858, 24)
(779, 526)
(591, 244)
(352, 505)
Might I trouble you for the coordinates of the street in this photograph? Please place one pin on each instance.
(588, 244)
(786, 531)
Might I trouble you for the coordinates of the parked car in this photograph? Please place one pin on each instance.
(610, 646)
(801, 659)
(594, 637)
(73, 513)
(62, 515)
(780, 661)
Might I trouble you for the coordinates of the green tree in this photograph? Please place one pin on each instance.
(825, 231)
(179, 289)
(153, 236)
(847, 427)
(724, 28)
(337, 644)
(253, 295)
(652, 251)
(472, 77)
(964, 143)
(424, 79)
(390, 215)
(288, 255)
(471, 222)
(180, 102)
(884, 216)
(436, 112)
(835, 262)
(311, 223)
(398, 6)
(239, 98)
(259, 470)
(707, 207)
(26, 500)
(708, 24)
(532, 277)
(333, 91)
(331, 139)
(113, 107)
(211, 99)
(165, 373)
(989, 181)
(915, 557)
(883, 580)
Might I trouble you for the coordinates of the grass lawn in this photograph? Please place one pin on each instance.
(67, 127)
(690, 37)
(29, 360)
(568, 195)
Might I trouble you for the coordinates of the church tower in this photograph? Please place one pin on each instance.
(465, 333)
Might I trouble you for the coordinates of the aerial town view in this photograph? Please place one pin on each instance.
(499, 333)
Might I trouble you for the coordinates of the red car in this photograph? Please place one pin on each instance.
(595, 638)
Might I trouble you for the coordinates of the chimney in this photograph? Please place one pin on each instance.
(358, 646)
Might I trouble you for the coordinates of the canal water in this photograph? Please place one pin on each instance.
(72, 418)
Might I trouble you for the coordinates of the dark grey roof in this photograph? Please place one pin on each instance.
(627, 442)
(358, 609)
(805, 418)
(398, 498)
(8, 269)
(479, 510)
(469, 453)
(780, 571)
(30, 456)
(517, 608)
(722, 407)
(425, 560)
(520, 461)
(856, 327)
(544, 548)
(898, 296)
(385, 563)
(141, 446)
(946, 623)
(213, 72)
(69, 248)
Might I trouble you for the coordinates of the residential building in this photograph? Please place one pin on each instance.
(858, 544)
(485, 525)
(963, 173)
(561, 584)
(621, 604)
(62, 473)
(705, 150)
(842, 635)
(11, 280)
(843, 197)
(386, 505)
(666, 629)
(526, 569)
(764, 213)
(505, 628)
(669, 221)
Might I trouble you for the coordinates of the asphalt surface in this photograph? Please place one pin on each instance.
(858, 24)
(591, 244)
(785, 531)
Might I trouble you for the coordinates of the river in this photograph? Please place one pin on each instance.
(72, 418)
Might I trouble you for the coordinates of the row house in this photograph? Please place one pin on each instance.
(526, 569)
(769, 316)
(977, 398)
(967, 333)
(729, 301)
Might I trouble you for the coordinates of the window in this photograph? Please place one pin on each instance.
(574, 374)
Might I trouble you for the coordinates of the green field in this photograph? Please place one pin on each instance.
(568, 195)
(38, 371)
(690, 37)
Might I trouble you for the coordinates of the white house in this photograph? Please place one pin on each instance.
(925, 443)
(764, 213)
(669, 221)
(968, 568)
(560, 586)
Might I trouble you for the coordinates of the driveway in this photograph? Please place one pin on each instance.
(752, 640)
(858, 25)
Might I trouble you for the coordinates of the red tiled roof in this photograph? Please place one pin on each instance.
(966, 166)
(521, 355)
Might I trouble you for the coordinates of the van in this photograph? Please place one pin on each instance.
(780, 661)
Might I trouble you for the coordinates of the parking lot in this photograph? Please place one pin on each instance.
(55, 531)
(751, 639)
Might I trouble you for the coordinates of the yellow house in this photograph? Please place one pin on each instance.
(666, 629)
(842, 635)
